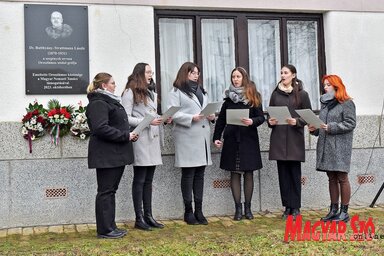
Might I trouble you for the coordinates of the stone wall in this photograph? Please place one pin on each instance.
(54, 186)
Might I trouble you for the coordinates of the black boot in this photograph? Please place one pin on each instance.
(238, 212)
(189, 217)
(151, 221)
(247, 211)
(343, 215)
(286, 212)
(333, 209)
(141, 224)
(199, 213)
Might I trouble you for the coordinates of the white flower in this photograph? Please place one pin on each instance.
(56, 116)
(33, 137)
(24, 130)
(33, 120)
(82, 136)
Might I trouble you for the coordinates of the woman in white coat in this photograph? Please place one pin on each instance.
(191, 134)
(139, 98)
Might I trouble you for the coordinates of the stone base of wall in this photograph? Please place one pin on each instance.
(53, 185)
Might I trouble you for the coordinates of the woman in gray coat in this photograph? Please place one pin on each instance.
(139, 98)
(334, 146)
(287, 141)
(191, 135)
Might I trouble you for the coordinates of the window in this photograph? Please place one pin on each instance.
(220, 41)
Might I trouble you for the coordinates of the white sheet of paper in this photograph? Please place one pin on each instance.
(281, 113)
(310, 117)
(211, 108)
(234, 116)
(145, 123)
(170, 112)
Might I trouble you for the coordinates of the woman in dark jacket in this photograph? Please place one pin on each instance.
(334, 146)
(287, 141)
(241, 150)
(110, 149)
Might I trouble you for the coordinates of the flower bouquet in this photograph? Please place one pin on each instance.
(80, 126)
(59, 120)
(34, 123)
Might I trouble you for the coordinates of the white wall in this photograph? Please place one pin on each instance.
(354, 45)
(119, 37)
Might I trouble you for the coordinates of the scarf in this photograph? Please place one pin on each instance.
(236, 94)
(329, 100)
(108, 93)
(288, 89)
(195, 89)
(151, 89)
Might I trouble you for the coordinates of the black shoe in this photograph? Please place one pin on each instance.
(238, 212)
(247, 211)
(112, 235)
(189, 217)
(332, 214)
(295, 212)
(151, 221)
(343, 215)
(200, 218)
(141, 224)
(121, 230)
(199, 213)
(286, 212)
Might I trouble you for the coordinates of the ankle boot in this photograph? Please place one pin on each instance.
(199, 213)
(343, 215)
(295, 212)
(247, 211)
(238, 212)
(189, 217)
(286, 212)
(141, 224)
(151, 221)
(333, 209)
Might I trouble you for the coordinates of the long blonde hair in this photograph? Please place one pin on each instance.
(97, 82)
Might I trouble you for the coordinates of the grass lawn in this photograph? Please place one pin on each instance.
(262, 236)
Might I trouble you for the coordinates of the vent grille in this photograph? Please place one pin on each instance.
(56, 192)
(365, 179)
(222, 183)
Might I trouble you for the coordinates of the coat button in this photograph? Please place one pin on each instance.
(203, 126)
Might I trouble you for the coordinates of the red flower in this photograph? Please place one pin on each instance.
(35, 112)
(65, 113)
(52, 112)
(27, 117)
(40, 119)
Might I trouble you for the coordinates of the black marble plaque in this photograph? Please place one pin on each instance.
(56, 49)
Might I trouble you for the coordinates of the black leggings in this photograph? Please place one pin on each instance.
(142, 188)
(192, 179)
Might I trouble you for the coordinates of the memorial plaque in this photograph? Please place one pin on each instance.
(56, 49)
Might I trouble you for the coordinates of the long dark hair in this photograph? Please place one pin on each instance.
(138, 84)
(181, 81)
(250, 91)
(297, 84)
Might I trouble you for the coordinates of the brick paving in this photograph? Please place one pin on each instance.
(225, 221)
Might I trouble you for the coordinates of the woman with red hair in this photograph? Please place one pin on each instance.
(334, 146)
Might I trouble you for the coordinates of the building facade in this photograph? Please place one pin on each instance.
(52, 185)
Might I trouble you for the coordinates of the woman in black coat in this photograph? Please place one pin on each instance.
(287, 141)
(110, 149)
(241, 150)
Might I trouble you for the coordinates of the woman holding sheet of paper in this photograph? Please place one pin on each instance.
(140, 99)
(334, 146)
(109, 151)
(191, 135)
(287, 141)
(241, 151)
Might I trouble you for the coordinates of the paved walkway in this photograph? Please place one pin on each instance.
(225, 220)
